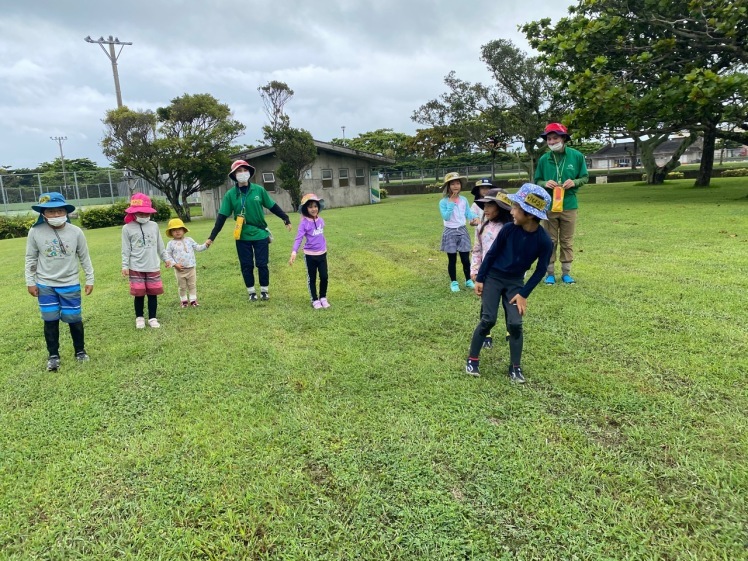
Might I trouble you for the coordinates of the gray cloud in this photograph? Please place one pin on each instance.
(359, 65)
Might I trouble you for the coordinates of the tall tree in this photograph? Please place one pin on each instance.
(647, 69)
(181, 149)
(296, 151)
(386, 142)
(274, 96)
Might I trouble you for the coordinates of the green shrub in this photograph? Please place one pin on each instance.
(434, 187)
(15, 226)
(383, 194)
(737, 172)
(675, 175)
(114, 214)
(516, 182)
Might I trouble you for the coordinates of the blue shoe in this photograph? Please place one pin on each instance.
(550, 279)
(471, 367)
(488, 342)
(469, 283)
(567, 279)
(454, 286)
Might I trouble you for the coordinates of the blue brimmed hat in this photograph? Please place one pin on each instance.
(53, 199)
(533, 199)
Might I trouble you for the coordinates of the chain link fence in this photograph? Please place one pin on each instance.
(80, 188)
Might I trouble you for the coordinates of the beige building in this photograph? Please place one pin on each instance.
(341, 176)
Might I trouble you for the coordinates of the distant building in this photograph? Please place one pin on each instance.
(341, 176)
(619, 155)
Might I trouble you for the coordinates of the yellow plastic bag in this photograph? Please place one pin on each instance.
(238, 227)
(558, 200)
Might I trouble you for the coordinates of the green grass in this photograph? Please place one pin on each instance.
(273, 431)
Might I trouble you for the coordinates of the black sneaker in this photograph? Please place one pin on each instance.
(488, 342)
(515, 374)
(471, 367)
(81, 356)
(264, 296)
(53, 363)
(253, 297)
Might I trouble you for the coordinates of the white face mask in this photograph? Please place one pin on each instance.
(558, 147)
(57, 221)
(143, 219)
(242, 176)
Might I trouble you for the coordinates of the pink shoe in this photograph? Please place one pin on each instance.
(316, 304)
(184, 304)
(140, 323)
(194, 304)
(324, 302)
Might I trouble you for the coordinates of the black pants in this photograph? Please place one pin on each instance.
(452, 265)
(52, 336)
(316, 264)
(497, 290)
(253, 253)
(140, 306)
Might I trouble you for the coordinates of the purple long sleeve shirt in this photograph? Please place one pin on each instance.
(314, 231)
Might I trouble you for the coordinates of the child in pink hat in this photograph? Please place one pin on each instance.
(142, 247)
(312, 227)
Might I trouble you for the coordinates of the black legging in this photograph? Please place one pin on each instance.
(452, 265)
(140, 305)
(315, 264)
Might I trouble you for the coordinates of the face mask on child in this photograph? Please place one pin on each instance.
(57, 221)
(143, 219)
(558, 147)
(242, 176)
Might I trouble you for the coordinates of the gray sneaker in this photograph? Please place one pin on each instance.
(53, 363)
(253, 297)
(81, 356)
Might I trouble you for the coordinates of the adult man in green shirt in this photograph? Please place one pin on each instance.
(245, 202)
(562, 171)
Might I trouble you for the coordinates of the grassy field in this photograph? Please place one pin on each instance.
(274, 431)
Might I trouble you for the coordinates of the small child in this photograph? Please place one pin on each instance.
(181, 250)
(496, 208)
(54, 250)
(455, 238)
(503, 270)
(482, 186)
(142, 247)
(312, 227)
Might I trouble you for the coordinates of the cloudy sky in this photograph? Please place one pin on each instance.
(359, 64)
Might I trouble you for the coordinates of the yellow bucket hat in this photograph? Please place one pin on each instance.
(175, 223)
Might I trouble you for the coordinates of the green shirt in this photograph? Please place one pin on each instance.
(570, 164)
(255, 227)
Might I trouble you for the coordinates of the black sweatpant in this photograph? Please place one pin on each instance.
(316, 264)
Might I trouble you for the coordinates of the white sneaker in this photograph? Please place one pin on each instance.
(153, 322)
(140, 323)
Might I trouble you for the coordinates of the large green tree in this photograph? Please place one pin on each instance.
(647, 69)
(385, 142)
(181, 149)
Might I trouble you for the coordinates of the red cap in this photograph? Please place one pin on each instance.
(558, 128)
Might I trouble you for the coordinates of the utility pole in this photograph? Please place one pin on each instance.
(112, 41)
(59, 140)
(343, 127)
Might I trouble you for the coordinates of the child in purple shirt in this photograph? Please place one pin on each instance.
(312, 228)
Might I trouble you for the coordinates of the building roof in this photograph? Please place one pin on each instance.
(625, 149)
(323, 146)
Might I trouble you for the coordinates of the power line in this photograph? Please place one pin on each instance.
(111, 41)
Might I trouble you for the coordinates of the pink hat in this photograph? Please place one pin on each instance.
(239, 164)
(138, 203)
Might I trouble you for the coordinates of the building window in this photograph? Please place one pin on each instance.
(268, 180)
(326, 178)
(360, 176)
(343, 177)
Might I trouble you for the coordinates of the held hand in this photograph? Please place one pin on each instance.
(478, 288)
(209, 242)
(568, 184)
(520, 302)
(33, 290)
(472, 276)
(88, 289)
(288, 226)
(125, 273)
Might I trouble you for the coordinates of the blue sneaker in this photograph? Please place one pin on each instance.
(550, 279)
(454, 286)
(567, 279)
(488, 342)
(471, 367)
(469, 283)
